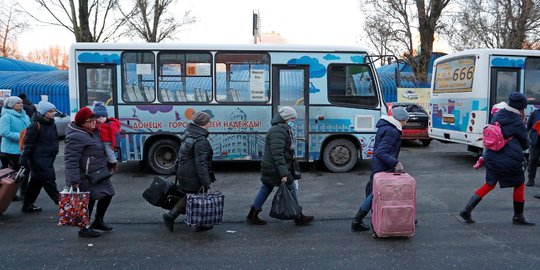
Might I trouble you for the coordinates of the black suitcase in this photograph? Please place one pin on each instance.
(163, 193)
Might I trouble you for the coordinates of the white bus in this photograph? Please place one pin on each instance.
(467, 84)
(154, 89)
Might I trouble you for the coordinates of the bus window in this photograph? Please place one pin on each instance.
(351, 84)
(184, 77)
(242, 77)
(98, 85)
(532, 80)
(138, 77)
(506, 82)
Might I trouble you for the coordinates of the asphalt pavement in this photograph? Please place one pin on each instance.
(445, 180)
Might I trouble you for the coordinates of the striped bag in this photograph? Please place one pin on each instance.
(204, 209)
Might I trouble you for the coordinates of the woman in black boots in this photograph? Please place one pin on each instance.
(85, 152)
(506, 165)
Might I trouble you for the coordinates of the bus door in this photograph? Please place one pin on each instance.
(290, 87)
(97, 83)
(503, 82)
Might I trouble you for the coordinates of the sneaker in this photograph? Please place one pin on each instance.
(101, 226)
(30, 209)
(479, 163)
(88, 233)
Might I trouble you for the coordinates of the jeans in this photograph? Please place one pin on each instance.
(111, 155)
(265, 191)
(366, 204)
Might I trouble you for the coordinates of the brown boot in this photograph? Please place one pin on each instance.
(303, 220)
(253, 217)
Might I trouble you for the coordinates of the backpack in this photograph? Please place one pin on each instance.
(493, 137)
(22, 136)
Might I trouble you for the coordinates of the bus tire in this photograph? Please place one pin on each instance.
(162, 156)
(340, 156)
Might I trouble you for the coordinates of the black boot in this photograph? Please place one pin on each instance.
(530, 183)
(519, 218)
(465, 214)
(203, 228)
(357, 224)
(253, 217)
(168, 218)
(99, 224)
(88, 233)
(303, 220)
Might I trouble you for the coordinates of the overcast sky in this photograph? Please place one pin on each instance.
(230, 21)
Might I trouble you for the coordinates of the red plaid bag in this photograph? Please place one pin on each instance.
(73, 208)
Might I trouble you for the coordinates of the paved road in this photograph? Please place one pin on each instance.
(140, 241)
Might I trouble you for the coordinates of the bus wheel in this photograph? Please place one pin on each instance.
(340, 156)
(162, 155)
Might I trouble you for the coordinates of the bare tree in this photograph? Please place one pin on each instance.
(11, 24)
(494, 24)
(399, 19)
(150, 21)
(88, 20)
(53, 56)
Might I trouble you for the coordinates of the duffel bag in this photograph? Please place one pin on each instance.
(162, 193)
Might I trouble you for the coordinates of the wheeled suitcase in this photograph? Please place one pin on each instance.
(8, 188)
(394, 204)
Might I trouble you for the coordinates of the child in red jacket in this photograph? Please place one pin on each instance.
(109, 128)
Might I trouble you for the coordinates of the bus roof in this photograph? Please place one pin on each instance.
(485, 52)
(211, 47)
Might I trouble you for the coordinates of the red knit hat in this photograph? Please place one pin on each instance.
(82, 115)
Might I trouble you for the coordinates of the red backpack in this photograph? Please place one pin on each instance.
(493, 137)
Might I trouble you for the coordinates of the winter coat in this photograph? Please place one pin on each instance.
(12, 123)
(278, 154)
(195, 160)
(81, 147)
(506, 165)
(29, 107)
(386, 148)
(109, 130)
(40, 147)
(533, 134)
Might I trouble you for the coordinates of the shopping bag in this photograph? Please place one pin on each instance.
(73, 208)
(284, 205)
(204, 209)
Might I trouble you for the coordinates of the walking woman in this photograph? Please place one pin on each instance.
(194, 169)
(276, 164)
(83, 149)
(39, 152)
(506, 165)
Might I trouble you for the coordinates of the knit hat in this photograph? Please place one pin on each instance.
(517, 101)
(201, 118)
(11, 101)
(44, 106)
(100, 110)
(22, 95)
(400, 114)
(82, 115)
(287, 113)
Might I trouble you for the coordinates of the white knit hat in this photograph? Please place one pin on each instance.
(287, 113)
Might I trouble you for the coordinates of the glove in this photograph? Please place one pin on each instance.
(399, 167)
(23, 162)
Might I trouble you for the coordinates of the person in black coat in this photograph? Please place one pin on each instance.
(533, 126)
(38, 154)
(194, 169)
(276, 164)
(506, 165)
(385, 158)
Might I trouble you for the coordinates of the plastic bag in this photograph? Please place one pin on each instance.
(284, 205)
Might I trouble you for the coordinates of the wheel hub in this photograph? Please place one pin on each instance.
(340, 155)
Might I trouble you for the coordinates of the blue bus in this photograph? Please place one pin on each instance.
(154, 90)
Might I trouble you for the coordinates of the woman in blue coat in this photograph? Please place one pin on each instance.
(506, 165)
(385, 157)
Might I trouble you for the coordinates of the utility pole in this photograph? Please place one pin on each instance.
(256, 26)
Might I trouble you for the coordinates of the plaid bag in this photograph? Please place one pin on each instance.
(73, 208)
(204, 209)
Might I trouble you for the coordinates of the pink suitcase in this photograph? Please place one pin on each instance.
(8, 188)
(394, 205)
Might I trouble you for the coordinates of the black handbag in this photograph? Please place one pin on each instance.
(97, 176)
(295, 170)
(163, 193)
(284, 205)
